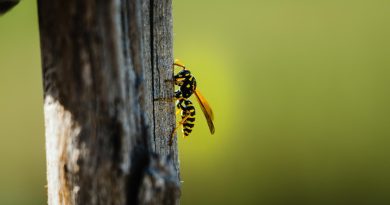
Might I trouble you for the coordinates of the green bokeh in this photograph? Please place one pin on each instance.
(22, 153)
(300, 92)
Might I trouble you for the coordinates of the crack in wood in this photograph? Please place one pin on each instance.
(103, 64)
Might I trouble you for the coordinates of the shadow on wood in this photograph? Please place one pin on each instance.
(106, 138)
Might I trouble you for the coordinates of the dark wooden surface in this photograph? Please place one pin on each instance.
(104, 64)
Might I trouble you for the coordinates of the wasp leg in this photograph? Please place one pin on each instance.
(168, 99)
(170, 81)
(165, 99)
(173, 133)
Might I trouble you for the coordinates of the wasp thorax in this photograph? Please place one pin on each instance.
(183, 74)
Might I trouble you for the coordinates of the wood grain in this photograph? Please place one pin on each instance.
(104, 64)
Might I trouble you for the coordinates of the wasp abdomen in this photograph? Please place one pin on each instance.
(188, 114)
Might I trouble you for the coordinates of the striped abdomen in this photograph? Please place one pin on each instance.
(188, 112)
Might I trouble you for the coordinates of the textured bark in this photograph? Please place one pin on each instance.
(104, 64)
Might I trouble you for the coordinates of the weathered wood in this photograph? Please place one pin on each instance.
(104, 64)
(159, 183)
(159, 85)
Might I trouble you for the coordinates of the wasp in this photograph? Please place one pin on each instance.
(187, 86)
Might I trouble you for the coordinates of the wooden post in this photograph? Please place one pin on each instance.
(105, 62)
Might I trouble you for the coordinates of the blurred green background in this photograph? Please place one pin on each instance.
(300, 92)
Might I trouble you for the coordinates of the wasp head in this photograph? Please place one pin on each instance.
(182, 76)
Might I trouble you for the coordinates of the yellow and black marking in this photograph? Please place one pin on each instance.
(187, 115)
(187, 83)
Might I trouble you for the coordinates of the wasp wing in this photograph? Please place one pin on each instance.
(208, 113)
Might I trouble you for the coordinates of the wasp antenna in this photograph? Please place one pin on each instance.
(178, 63)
